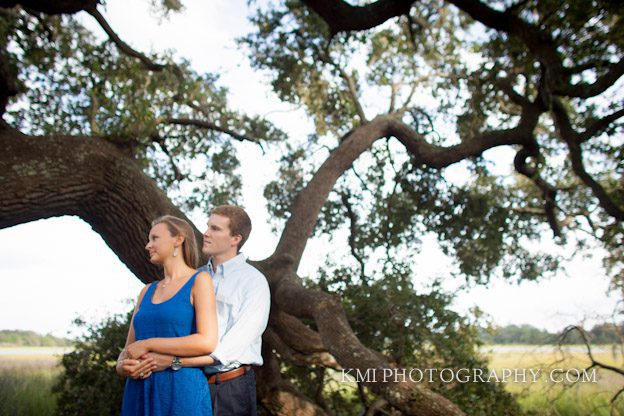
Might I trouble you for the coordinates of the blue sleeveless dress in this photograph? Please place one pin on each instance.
(167, 393)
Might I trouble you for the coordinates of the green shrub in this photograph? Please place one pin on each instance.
(89, 384)
(414, 329)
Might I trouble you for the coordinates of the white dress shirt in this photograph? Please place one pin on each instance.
(243, 303)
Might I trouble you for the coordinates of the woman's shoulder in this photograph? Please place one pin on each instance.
(147, 287)
(144, 291)
(202, 277)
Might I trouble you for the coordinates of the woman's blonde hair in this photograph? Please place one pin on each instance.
(178, 226)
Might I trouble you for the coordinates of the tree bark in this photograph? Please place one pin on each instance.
(52, 6)
(341, 16)
(88, 177)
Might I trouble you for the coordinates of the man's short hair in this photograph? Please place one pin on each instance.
(240, 223)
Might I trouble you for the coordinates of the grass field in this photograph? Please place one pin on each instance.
(27, 376)
(562, 388)
(26, 379)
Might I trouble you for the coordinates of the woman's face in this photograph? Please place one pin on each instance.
(160, 244)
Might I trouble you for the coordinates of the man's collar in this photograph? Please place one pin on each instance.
(228, 265)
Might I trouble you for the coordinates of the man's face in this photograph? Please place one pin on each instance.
(218, 239)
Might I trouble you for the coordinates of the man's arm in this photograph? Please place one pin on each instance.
(163, 361)
(251, 321)
(249, 326)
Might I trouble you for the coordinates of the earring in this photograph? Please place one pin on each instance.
(175, 251)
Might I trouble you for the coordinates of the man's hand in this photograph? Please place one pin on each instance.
(137, 349)
(137, 369)
(161, 361)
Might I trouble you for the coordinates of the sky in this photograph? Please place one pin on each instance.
(55, 270)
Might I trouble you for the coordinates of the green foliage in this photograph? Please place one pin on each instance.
(514, 334)
(606, 333)
(294, 44)
(439, 70)
(413, 329)
(78, 84)
(31, 339)
(479, 223)
(603, 333)
(89, 384)
(281, 192)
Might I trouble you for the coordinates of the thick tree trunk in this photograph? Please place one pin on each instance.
(51, 176)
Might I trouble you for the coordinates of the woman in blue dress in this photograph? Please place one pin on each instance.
(175, 316)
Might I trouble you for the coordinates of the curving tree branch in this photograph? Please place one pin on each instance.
(341, 16)
(587, 90)
(600, 125)
(204, 124)
(309, 201)
(548, 191)
(341, 342)
(326, 310)
(52, 7)
(573, 140)
(126, 49)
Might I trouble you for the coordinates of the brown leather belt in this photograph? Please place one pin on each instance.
(228, 375)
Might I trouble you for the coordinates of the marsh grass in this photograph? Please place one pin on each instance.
(26, 381)
(26, 384)
(552, 394)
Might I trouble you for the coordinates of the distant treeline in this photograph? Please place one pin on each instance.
(605, 333)
(18, 338)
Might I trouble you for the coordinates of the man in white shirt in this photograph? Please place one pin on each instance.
(243, 304)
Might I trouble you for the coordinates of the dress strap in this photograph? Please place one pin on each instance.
(147, 298)
(191, 281)
(188, 286)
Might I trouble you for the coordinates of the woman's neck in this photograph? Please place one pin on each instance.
(175, 268)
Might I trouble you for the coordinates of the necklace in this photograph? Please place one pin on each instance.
(163, 284)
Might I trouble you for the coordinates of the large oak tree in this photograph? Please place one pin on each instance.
(398, 91)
